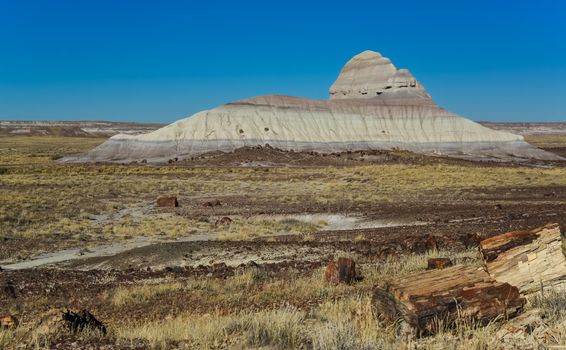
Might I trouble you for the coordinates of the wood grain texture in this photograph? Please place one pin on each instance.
(529, 260)
(424, 299)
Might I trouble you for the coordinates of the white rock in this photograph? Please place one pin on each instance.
(373, 105)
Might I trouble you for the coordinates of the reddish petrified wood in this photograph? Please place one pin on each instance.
(341, 271)
(167, 202)
(529, 260)
(439, 263)
(8, 322)
(425, 300)
(224, 221)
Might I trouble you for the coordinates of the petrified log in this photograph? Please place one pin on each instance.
(170, 202)
(341, 271)
(529, 260)
(439, 263)
(425, 300)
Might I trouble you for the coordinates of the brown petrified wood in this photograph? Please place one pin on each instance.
(341, 271)
(439, 263)
(8, 322)
(460, 293)
(170, 202)
(529, 260)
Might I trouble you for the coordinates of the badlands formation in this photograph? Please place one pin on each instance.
(373, 105)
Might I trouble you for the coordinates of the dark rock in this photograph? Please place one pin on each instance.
(224, 221)
(341, 271)
(213, 203)
(81, 321)
(174, 269)
(9, 291)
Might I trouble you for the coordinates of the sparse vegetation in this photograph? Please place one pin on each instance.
(289, 306)
(91, 203)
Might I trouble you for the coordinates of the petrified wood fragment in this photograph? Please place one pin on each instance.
(439, 263)
(341, 271)
(167, 202)
(8, 322)
(425, 300)
(529, 260)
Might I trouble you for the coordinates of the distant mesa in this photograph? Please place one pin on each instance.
(372, 106)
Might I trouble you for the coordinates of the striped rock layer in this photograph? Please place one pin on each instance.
(373, 105)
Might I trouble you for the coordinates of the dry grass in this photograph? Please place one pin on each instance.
(143, 293)
(33, 183)
(343, 317)
(347, 322)
(547, 141)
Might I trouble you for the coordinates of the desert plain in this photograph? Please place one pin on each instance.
(240, 262)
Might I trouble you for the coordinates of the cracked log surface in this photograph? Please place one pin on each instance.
(424, 300)
(529, 260)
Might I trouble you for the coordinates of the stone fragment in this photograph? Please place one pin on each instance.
(8, 321)
(167, 202)
(439, 263)
(341, 271)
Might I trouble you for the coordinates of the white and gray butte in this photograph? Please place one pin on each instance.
(373, 105)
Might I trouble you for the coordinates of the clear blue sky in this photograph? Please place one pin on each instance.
(158, 61)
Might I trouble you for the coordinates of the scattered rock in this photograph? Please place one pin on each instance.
(8, 322)
(167, 202)
(81, 321)
(430, 243)
(9, 291)
(439, 263)
(210, 204)
(224, 221)
(341, 271)
(259, 271)
(174, 269)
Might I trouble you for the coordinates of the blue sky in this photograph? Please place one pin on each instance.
(158, 61)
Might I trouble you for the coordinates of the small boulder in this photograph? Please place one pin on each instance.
(8, 322)
(439, 263)
(224, 221)
(167, 202)
(213, 203)
(9, 291)
(341, 271)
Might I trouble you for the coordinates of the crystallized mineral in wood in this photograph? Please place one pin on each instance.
(529, 260)
(458, 293)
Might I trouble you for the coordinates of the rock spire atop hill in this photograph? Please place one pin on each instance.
(369, 75)
(372, 106)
